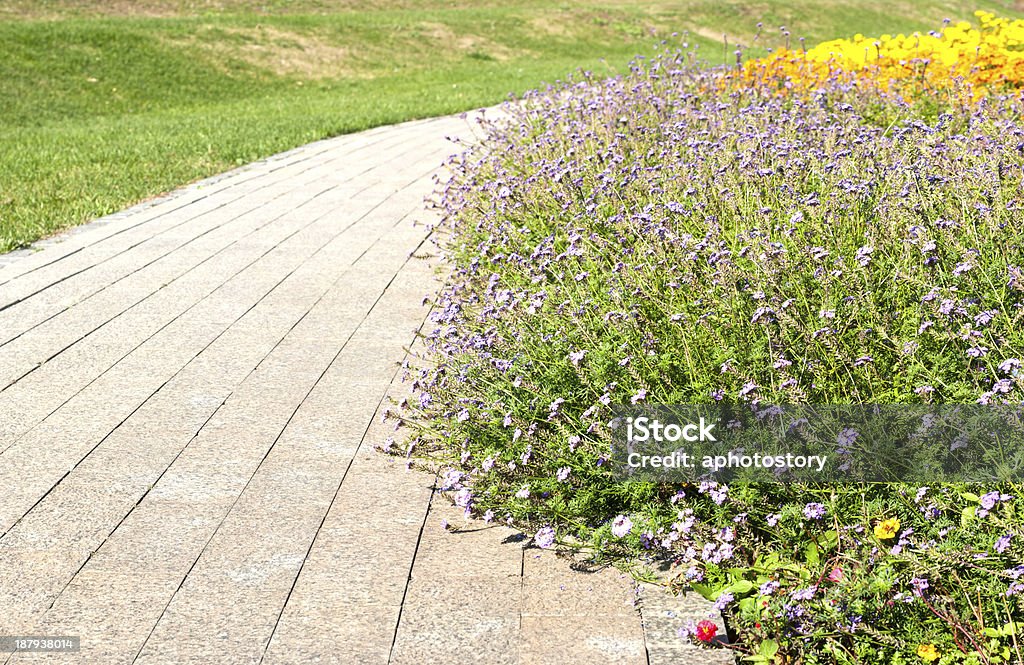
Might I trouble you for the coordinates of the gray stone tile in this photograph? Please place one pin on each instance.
(553, 586)
(111, 613)
(569, 639)
(664, 614)
(466, 549)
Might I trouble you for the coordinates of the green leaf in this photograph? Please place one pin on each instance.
(740, 587)
(811, 554)
(705, 590)
(768, 649)
(967, 514)
(970, 497)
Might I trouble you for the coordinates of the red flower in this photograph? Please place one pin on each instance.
(706, 630)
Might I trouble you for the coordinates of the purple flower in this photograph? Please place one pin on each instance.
(773, 519)
(687, 630)
(920, 586)
(450, 480)
(563, 474)
(718, 493)
(962, 268)
(621, 526)
(863, 255)
(814, 511)
(805, 594)
(639, 396)
(1009, 366)
(984, 318)
(545, 538)
(463, 498)
(846, 437)
(768, 588)
(762, 313)
(1003, 543)
(989, 500)
(722, 602)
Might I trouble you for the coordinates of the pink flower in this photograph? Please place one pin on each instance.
(706, 630)
(836, 575)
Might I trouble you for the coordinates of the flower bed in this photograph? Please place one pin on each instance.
(664, 238)
(961, 60)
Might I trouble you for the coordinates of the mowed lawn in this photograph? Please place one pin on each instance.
(104, 104)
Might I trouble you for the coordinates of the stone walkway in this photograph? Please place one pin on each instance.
(190, 395)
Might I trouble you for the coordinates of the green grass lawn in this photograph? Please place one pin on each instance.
(107, 103)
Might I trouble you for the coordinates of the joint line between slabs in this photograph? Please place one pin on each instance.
(334, 498)
(408, 577)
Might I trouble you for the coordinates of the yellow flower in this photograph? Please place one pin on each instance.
(961, 60)
(887, 528)
(928, 652)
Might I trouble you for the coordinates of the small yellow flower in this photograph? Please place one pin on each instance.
(887, 529)
(928, 652)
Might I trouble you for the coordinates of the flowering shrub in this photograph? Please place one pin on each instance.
(972, 60)
(647, 239)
